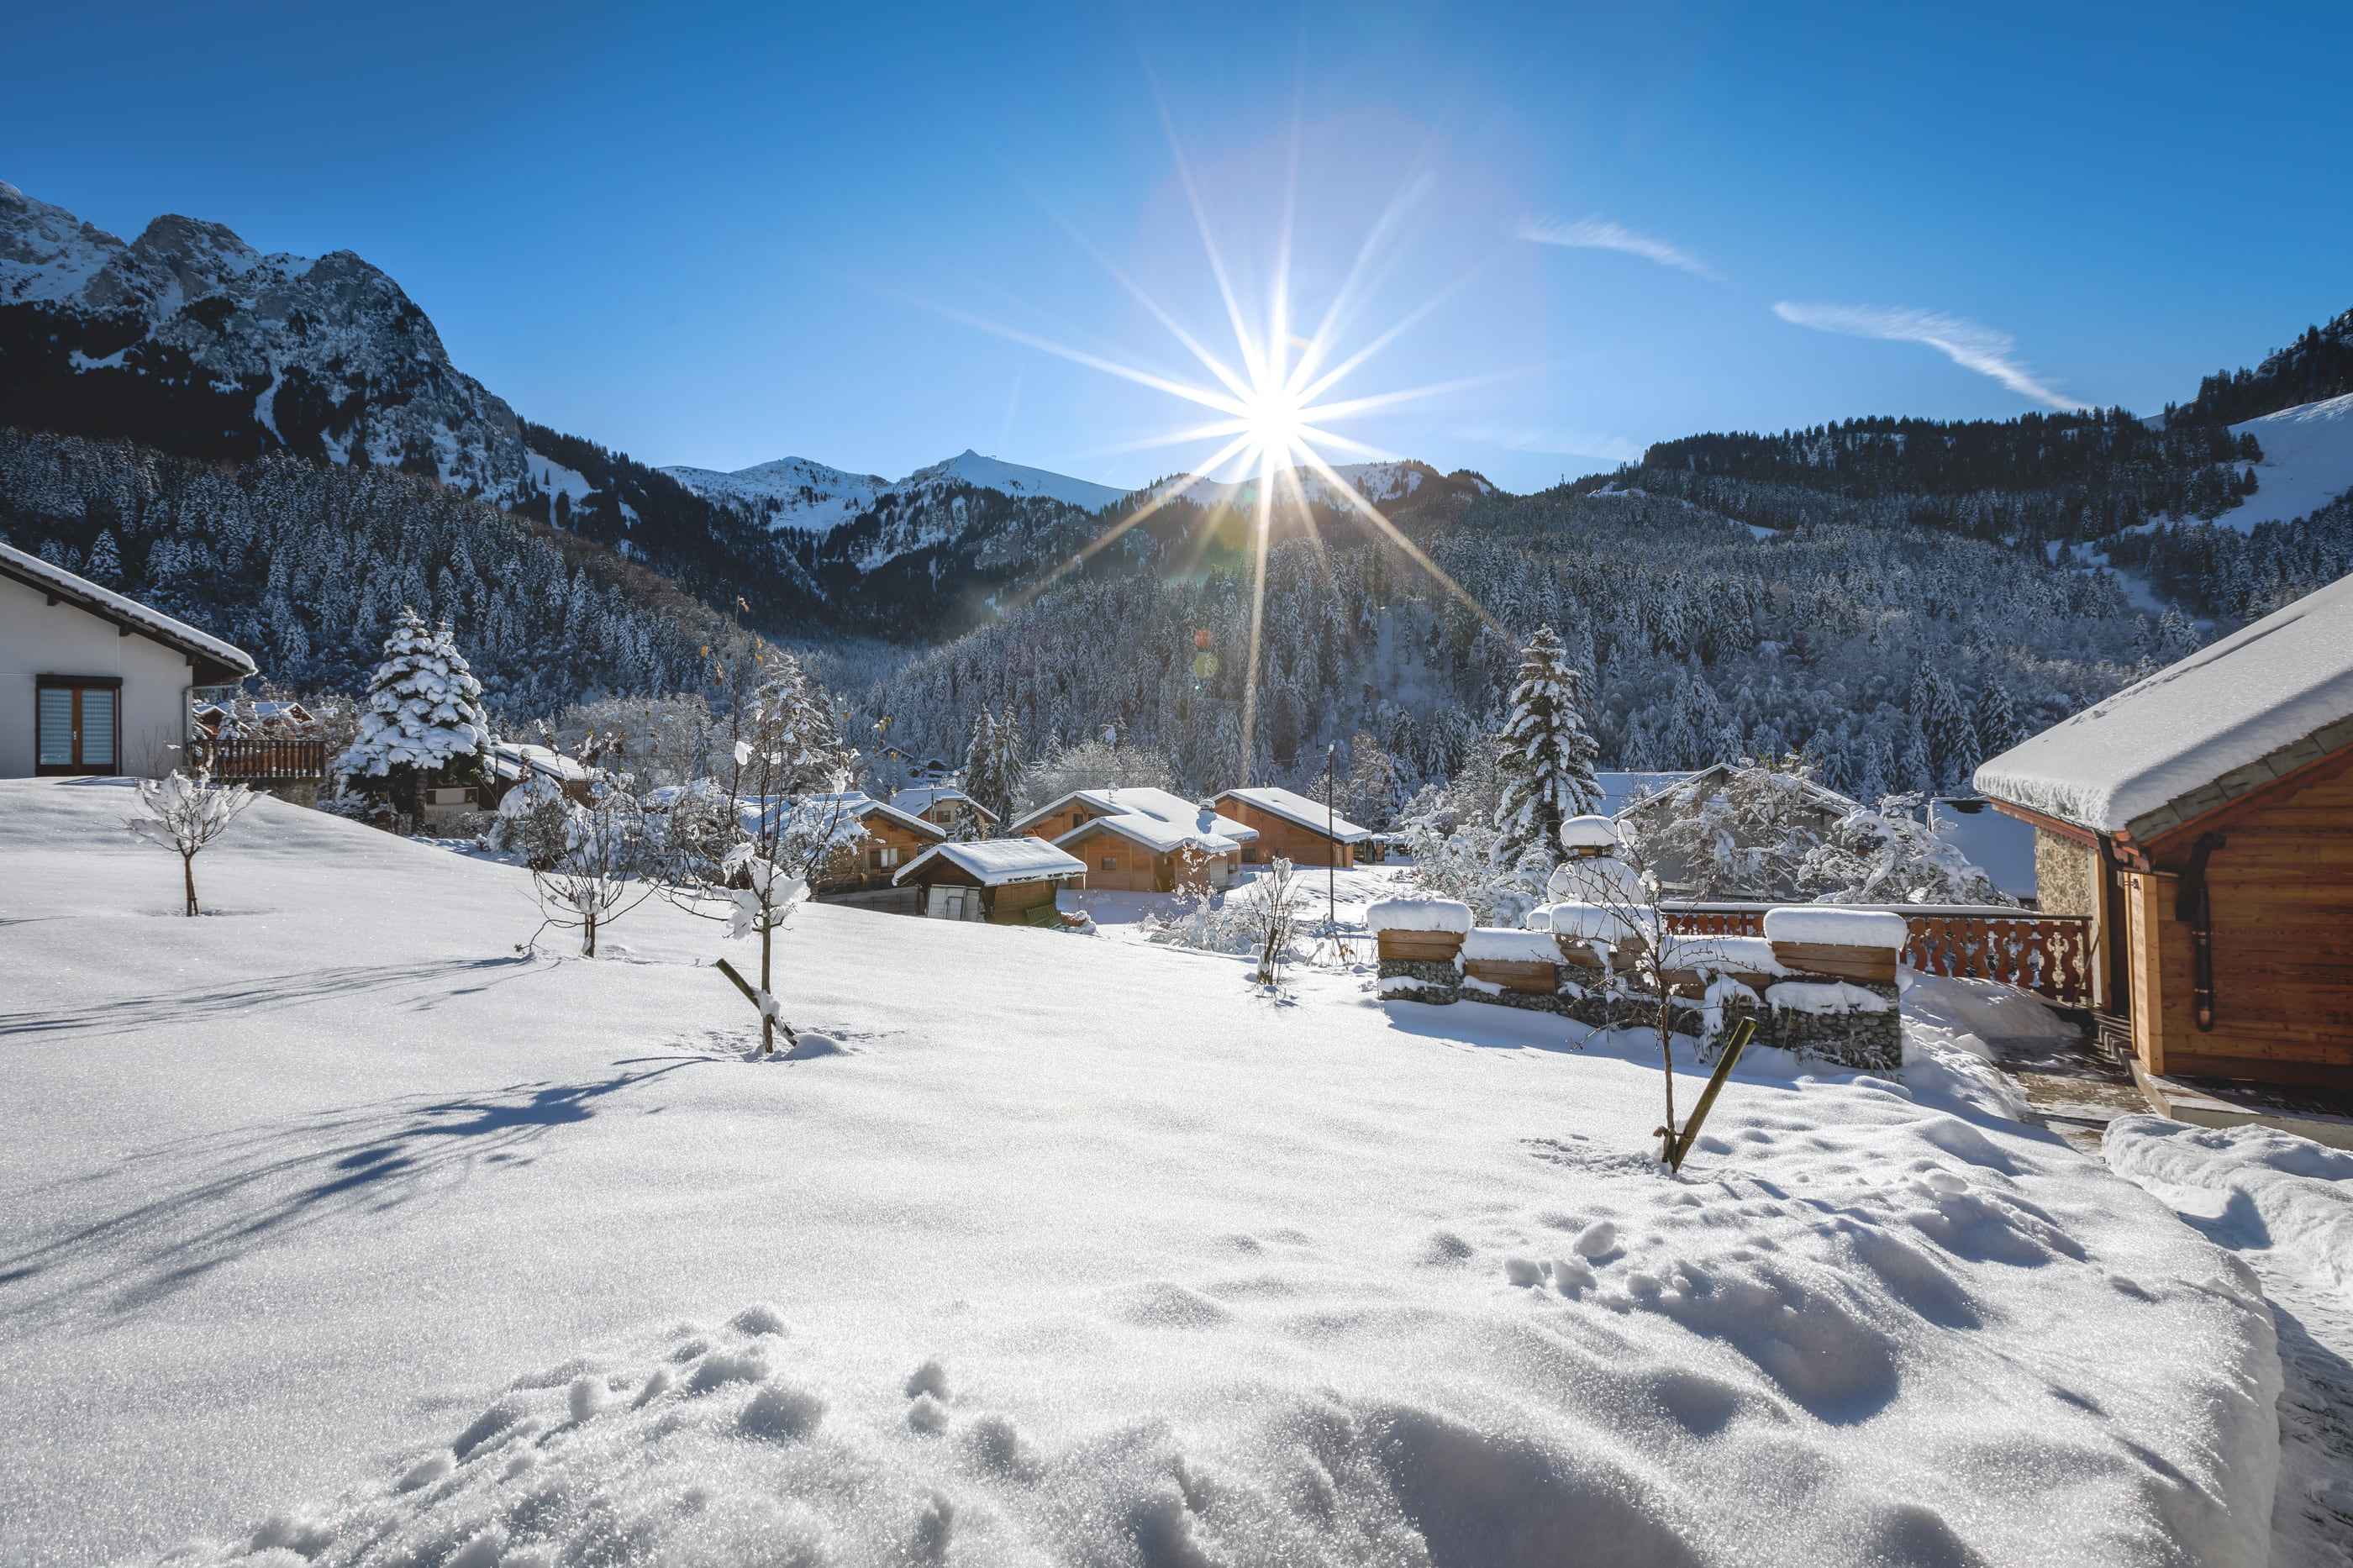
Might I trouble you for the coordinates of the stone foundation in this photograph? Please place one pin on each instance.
(1441, 981)
(1866, 1042)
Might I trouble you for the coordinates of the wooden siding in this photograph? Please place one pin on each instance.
(1280, 835)
(1009, 903)
(2281, 891)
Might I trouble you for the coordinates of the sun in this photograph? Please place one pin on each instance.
(1271, 405)
(1274, 420)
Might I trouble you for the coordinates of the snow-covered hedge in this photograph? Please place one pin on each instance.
(1418, 914)
(1828, 926)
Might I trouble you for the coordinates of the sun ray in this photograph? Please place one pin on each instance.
(1347, 443)
(1250, 360)
(1190, 393)
(1404, 325)
(1396, 536)
(1350, 407)
(1265, 525)
(1174, 490)
(1224, 372)
(1342, 309)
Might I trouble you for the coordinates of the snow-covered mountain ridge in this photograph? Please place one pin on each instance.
(809, 497)
(188, 328)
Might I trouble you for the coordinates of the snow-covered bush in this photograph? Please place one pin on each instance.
(1460, 865)
(1544, 754)
(1093, 764)
(534, 821)
(182, 814)
(1884, 855)
(1205, 922)
(422, 722)
(692, 827)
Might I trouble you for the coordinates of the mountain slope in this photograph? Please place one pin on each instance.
(2307, 462)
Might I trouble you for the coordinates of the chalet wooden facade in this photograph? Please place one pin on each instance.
(894, 839)
(2203, 820)
(1004, 881)
(1293, 827)
(1142, 840)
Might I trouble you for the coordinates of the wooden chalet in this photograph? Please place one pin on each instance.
(1004, 881)
(944, 805)
(1290, 825)
(1142, 840)
(511, 761)
(894, 839)
(2203, 819)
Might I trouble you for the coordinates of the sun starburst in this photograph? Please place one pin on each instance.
(1274, 399)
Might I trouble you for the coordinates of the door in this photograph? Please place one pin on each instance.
(78, 723)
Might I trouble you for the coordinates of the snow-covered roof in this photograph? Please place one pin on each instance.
(2199, 734)
(858, 805)
(1160, 837)
(510, 759)
(218, 663)
(1144, 801)
(995, 862)
(922, 797)
(1298, 809)
(1620, 790)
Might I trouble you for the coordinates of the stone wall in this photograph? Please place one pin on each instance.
(2066, 876)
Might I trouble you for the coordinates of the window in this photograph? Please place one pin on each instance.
(886, 856)
(77, 722)
(1111, 862)
(1078, 820)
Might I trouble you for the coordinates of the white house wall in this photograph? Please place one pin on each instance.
(38, 638)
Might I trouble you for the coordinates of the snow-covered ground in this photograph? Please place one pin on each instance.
(332, 1229)
(2307, 462)
(2285, 1205)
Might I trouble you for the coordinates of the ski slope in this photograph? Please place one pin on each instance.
(2307, 462)
(334, 1230)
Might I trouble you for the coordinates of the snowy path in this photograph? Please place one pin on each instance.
(2284, 1204)
(327, 1225)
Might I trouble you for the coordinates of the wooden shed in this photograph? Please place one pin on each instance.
(2204, 819)
(1005, 881)
(1289, 824)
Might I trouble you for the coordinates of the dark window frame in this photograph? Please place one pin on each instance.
(76, 684)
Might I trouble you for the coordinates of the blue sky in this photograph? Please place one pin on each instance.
(720, 235)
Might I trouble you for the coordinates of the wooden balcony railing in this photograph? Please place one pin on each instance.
(2048, 954)
(280, 760)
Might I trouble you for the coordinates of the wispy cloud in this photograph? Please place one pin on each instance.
(1547, 441)
(1600, 234)
(1985, 349)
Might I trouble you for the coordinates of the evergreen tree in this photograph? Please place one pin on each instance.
(1011, 763)
(422, 722)
(105, 563)
(1547, 756)
(1997, 719)
(984, 774)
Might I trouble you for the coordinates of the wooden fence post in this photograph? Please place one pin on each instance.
(1741, 1034)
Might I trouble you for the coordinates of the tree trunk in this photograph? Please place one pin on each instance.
(588, 934)
(767, 1021)
(188, 874)
(1667, 1065)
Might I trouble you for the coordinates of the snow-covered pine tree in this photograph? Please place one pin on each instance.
(1011, 763)
(1546, 757)
(984, 774)
(1997, 726)
(422, 722)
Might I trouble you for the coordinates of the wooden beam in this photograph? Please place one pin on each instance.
(2048, 823)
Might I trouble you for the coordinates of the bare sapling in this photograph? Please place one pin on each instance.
(1628, 933)
(1272, 908)
(601, 869)
(789, 813)
(185, 813)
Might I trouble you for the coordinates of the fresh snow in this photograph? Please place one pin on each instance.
(996, 862)
(1181, 817)
(1418, 914)
(1509, 946)
(2233, 702)
(2284, 1204)
(1377, 482)
(333, 1231)
(2307, 462)
(1589, 833)
(1299, 810)
(1834, 927)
